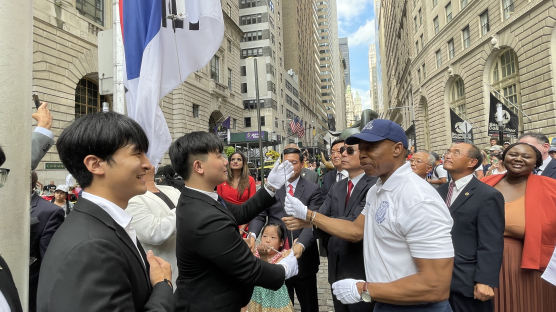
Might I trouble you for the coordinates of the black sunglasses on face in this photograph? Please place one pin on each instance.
(350, 150)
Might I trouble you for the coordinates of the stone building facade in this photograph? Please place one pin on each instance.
(65, 73)
(461, 51)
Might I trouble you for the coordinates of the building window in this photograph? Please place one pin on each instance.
(262, 121)
(234, 123)
(438, 58)
(243, 71)
(434, 3)
(87, 98)
(505, 78)
(417, 47)
(463, 3)
(91, 9)
(229, 46)
(424, 71)
(215, 68)
(419, 74)
(422, 41)
(485, 26)
(243, 88)
(448, 8)
(415, 22)
(420, 17)
(436, 25)
(276, 123)
(195, 111)
(451, 49)
(247, 121)
(466, 36)
(457, 97)
(230, 79)
(508, 8)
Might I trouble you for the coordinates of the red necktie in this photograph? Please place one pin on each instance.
(449, 195)
(291, 190)
(350, 187)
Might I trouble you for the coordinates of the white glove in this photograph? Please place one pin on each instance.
(280, 174)
(290, 265)
(295, 208)
(346, 291)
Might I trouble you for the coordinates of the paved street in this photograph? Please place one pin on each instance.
(323, 289)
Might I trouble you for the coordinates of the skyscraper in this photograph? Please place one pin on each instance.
(373, 78)
(344, 51)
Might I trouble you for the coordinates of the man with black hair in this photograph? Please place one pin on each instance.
(94, 261)
(337, 174)
(302, 242)
(9, 298)
(217, 271)
(540, 141)
(478, 232)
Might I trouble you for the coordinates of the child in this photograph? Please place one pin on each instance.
(270, 250)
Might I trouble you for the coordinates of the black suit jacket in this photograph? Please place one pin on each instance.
(550, 170)
(309, 194)
(345, 259)
(93, 265)
(217, 271)
(327, 181)
(46, 219)
(477, 235)
(7, 287)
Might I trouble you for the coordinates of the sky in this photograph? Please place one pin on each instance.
(356, 20)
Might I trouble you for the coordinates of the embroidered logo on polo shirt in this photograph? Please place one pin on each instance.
(381, 212)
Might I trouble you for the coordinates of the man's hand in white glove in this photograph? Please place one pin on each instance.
(280, 174)
(290, 265)
(295, 208)
(346, 291)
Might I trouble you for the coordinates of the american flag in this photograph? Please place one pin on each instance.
(293, 124)
(300, 129)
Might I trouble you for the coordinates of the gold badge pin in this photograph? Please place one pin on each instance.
(466, 193)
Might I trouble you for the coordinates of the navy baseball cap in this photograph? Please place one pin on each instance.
(378, 130)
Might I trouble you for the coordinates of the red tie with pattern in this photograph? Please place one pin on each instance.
(450, 192)
(350, 187)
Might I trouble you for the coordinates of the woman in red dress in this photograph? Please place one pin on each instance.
(240, 185)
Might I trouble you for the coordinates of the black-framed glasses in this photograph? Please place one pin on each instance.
(4, 175)
(349, 149)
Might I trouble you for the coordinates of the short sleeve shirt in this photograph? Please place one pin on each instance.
(405, 218)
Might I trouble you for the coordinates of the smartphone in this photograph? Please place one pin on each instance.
(36, 100)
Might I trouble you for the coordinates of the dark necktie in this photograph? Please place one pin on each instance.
(450, 192)
(220, 200)
(339, 176)
(350, 187)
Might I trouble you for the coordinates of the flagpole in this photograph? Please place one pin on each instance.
(261, 174)
(118, 101)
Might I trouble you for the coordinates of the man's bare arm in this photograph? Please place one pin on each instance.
(349, 230)
(430, 284)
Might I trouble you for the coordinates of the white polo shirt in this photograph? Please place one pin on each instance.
(405, 218)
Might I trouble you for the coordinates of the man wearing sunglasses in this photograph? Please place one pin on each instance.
(345, 200)
(9, 298)
(405, 226)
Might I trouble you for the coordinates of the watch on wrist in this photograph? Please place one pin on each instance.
(270, 188)
(365, 295)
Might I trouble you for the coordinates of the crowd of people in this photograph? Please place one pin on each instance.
(467, 229)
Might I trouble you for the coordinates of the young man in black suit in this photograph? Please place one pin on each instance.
(217, 271)
(302, 242)
(478, 231)
(335, 175)
(345, 259)
(94, 261)
(9, 298)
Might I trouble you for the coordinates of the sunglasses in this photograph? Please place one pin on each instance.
(350, 150)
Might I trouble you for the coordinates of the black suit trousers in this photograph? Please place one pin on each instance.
(461, 303)
(306, 289)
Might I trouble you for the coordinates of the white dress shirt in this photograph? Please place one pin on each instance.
(4, 307)
(117, 214)
(544, 164)
(460, 185)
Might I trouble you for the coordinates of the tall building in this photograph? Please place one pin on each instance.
(373, 78)
(261, 23)
(351, 117)
(302, 56)
(330, 64)
(65, 74)
(344, 51)
(462, 51)
(357, 106)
